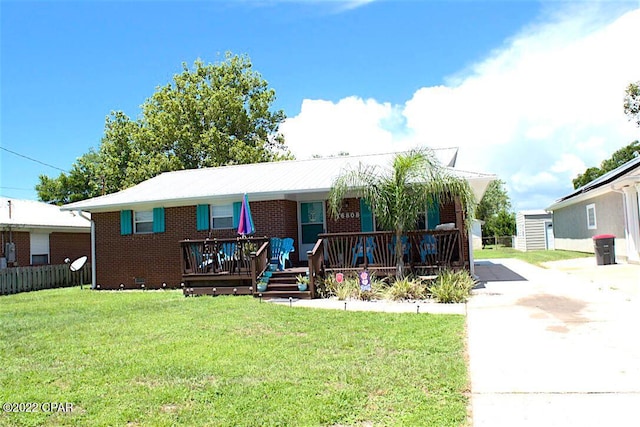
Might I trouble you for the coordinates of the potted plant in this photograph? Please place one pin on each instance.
(261, 286)
(303, 282)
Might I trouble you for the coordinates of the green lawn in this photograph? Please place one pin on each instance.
(532, 257)
(156, 358)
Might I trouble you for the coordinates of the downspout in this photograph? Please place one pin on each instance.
(93, 249)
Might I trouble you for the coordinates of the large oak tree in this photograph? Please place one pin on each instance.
(209, 115)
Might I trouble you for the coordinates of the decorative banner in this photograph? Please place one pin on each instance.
(339, 277)
(365, 281)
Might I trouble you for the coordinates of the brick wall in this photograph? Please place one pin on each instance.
(156, 257)
(447, 212)
(454, 212)
(23, 246)
(61, 246)
(69, 245)
(349, 220)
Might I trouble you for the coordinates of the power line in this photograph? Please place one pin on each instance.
(16, 188)
(33, 160)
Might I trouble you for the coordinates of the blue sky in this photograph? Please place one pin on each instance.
(531, 91)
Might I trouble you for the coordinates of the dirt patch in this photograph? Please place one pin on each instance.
(565, 309)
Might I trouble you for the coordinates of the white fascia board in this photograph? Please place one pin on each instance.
(227, 198)
(580, 198)
(614, 186)
(44, 228)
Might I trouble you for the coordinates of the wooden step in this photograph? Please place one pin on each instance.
(268, 294)
(283, 280)
(282, 287)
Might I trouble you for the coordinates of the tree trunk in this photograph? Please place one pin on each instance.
(399, 256)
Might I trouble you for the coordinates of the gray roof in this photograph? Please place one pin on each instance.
(19, 214)
(262, 181)
(598, 183)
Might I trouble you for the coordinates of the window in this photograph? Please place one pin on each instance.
(39, 248)
(591, 217)
(222, 216)
(143, 222)
(42, 259)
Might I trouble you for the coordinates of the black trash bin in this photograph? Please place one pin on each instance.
(605, 247)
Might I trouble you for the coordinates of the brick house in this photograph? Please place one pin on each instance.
(138, 230)
(36, 233)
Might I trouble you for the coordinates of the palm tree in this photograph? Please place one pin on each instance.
(400, 194)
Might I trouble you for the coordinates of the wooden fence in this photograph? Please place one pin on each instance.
(25, 279)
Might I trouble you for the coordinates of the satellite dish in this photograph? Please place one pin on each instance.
(78, 264)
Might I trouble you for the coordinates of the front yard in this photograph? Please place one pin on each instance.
(532, 257)
(156, 358)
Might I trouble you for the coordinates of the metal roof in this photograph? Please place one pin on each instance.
(590, 188)
(18, 213)
(262, 181)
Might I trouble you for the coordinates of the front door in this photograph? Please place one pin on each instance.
(312, 223)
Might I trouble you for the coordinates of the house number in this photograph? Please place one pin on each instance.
(344, 215)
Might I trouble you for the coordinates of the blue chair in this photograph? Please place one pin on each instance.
(428, 246)
(275, 246)
(285, 250)
(227, 255)
(359, 250)
(404, 240)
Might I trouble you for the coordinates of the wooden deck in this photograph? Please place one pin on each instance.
(238, 266)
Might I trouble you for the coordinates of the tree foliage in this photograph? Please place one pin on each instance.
(618, 158)
(399, 194)
(495, 199)
(209, 115)
(632, 102)
(495, 210)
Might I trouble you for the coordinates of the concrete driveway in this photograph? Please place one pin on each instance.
(555, 347)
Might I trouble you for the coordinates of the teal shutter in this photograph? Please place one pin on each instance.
(237, 207)
(126, 223)
(433, 214)
(366, 217)
(202, 217)
(158, 220)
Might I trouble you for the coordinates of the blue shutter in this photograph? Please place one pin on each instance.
(433, 214)
(158, 220)
(366, 217)
(237, 208)
(202, 217)
(126, 223)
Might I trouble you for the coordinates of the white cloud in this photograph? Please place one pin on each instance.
(536, 112)
(327, 128)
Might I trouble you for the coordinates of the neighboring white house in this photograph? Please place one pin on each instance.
(606, 205)
(534, 230)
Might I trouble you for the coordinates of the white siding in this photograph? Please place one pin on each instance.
(531, 231)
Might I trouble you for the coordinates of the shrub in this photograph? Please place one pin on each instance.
(452, 286)
(406, 289)
(350, 288)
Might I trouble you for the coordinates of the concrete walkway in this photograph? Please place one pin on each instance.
(555, 347)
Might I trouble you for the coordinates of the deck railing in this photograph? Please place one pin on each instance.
(315, 258)
(424, 251)
(220, 256)
(259, 264)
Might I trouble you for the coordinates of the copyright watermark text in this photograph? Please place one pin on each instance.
(37, 407)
